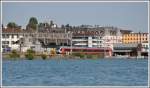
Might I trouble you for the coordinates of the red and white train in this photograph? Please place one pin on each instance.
(85, 50)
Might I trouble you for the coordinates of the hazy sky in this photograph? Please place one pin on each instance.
(133, 15)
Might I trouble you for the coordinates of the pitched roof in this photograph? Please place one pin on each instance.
(11, 30)
(16, 30)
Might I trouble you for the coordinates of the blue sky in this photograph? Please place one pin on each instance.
(126, 15)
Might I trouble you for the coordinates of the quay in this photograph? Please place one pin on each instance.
(94, 40)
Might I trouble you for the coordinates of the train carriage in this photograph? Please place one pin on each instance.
(84, 50)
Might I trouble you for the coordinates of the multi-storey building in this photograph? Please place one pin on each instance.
(87, 37)
(139, 38)
(112, 36)
(97, 37)
(22, 40)
(9, 39)
(135, 38)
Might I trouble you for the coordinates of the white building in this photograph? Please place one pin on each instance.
(145, 47)
(10, 39)
(87, 41)
(112, 37)
(102, 37)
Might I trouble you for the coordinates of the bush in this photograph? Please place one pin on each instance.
(14, 54)
(30, 54)
(44, 56)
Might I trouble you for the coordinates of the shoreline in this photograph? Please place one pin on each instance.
(64, 57)
(67, 58)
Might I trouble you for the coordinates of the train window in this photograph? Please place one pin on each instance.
(67, 49)
(75, 50)
(107, 50)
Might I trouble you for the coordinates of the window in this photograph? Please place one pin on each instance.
(5, 42)
(7, 36)
(4, 46)
(12, 42)
(17, 36)
(94, 37)
(12, 36)
(3, 36)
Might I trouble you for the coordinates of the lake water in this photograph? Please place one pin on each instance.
(102, 72)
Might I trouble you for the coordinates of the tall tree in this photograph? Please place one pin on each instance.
(67, 25)
(12, 25)
(32, 23)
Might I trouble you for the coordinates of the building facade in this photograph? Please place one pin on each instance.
(138, 38)
(9, 39)
(135, 38)
(97, 37)
(112, 36)
(76, 37)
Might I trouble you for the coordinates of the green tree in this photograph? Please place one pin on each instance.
(12, 25)
(30, 54)
(32, 24)
(33, 20)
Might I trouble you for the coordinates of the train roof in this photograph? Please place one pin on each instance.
(88, 47)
